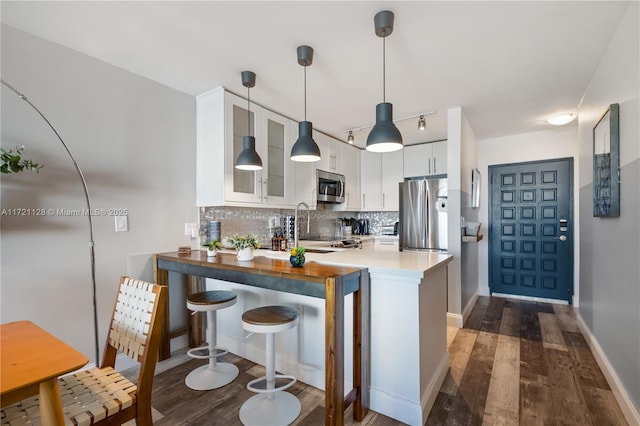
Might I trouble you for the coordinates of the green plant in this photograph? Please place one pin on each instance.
(213, 245)
(245, 241)
(14, 163)
(298, 253)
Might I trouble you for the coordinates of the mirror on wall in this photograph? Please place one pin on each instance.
(606, 164)
(475, 188)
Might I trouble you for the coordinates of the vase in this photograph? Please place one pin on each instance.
(297, 261)
(211, 253)
(245, 254)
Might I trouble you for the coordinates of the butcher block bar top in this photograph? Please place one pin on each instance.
(265, 272)
(329, 282)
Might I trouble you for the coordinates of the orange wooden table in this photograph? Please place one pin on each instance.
(31, 361)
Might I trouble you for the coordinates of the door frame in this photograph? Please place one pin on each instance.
(570, 231)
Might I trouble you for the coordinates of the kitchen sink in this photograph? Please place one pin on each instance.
(318, 250)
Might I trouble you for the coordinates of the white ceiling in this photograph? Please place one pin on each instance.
(508, 64)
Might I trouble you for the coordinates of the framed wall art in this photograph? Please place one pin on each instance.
(606, 164)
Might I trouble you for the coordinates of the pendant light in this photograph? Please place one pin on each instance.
(385, 136)
(248, 158)
(305, 149)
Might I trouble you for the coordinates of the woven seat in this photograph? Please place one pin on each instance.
(100, 396)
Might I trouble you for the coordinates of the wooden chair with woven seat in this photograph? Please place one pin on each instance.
(101, 396)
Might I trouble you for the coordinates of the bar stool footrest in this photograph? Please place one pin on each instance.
(252, 388)
(202, 352)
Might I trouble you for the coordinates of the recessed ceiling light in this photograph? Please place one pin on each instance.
(560, 119)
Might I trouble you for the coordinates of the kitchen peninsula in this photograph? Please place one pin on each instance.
(406, 340)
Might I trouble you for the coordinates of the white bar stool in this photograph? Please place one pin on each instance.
(271, 406)
(215, 374)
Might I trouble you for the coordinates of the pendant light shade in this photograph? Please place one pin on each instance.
(248, 158)
(385, 136)
(305, 149)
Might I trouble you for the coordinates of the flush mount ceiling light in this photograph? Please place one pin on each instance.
(561, 119)
(422, 123)
(305, 149)
(350, 137)
(248, 158)
(385, 136)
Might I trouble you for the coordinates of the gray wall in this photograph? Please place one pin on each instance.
(135, 141)
(610, 247)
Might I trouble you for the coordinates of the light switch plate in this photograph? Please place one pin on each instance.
(122, 223)
(191, 230)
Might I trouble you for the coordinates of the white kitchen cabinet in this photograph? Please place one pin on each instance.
(392, 175)
(303, 183)
(351, 161)
(221, 122)
(370, 180)
(425, 159)
(331, 151)
(380, 174)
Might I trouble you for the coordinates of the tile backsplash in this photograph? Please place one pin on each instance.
(247, 220)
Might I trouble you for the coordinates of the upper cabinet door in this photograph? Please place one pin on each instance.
(222, 120)
(276, 133)
(392, 175)
(425, 159)
(439, 152)
(240, 185)
(371, 180)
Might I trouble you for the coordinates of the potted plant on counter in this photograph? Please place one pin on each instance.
(212, 247)
(245, 245)
(297, 256)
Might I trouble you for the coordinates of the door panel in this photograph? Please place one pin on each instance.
(531, 229)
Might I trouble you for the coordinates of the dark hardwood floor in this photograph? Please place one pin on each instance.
(523, 363)
(514, 363)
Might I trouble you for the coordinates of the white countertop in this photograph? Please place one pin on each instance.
(381, 260)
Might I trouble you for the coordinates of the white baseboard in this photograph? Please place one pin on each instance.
(431, 392)
(457, 320)
(629, 410)
(454, 320)
(467, 309)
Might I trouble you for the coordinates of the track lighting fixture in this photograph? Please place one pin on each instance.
(385, 136)
(248, 158)
(422, 123)
(305, 149)
(350, 137)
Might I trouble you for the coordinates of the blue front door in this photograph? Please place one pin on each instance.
(531, 229)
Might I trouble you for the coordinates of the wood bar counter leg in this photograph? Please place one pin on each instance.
(161, 276)
(334, 351)
(361, 354)
(50, 403)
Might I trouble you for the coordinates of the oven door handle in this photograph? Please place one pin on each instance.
(341, 188)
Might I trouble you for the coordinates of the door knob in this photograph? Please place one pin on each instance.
(562, 238)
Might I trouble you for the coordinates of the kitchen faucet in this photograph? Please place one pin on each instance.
(295, 221)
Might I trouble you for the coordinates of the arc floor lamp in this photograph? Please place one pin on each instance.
(88, 201)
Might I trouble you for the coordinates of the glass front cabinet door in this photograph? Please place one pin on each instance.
(272, 134)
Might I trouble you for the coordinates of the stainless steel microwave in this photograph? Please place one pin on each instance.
(330, 187)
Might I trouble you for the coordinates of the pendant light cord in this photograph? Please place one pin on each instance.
(305, 93)
(384, 62)
(249, 110)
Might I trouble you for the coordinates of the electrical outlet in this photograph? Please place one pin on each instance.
(122, 223)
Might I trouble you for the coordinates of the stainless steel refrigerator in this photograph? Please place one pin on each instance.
(423, 215)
